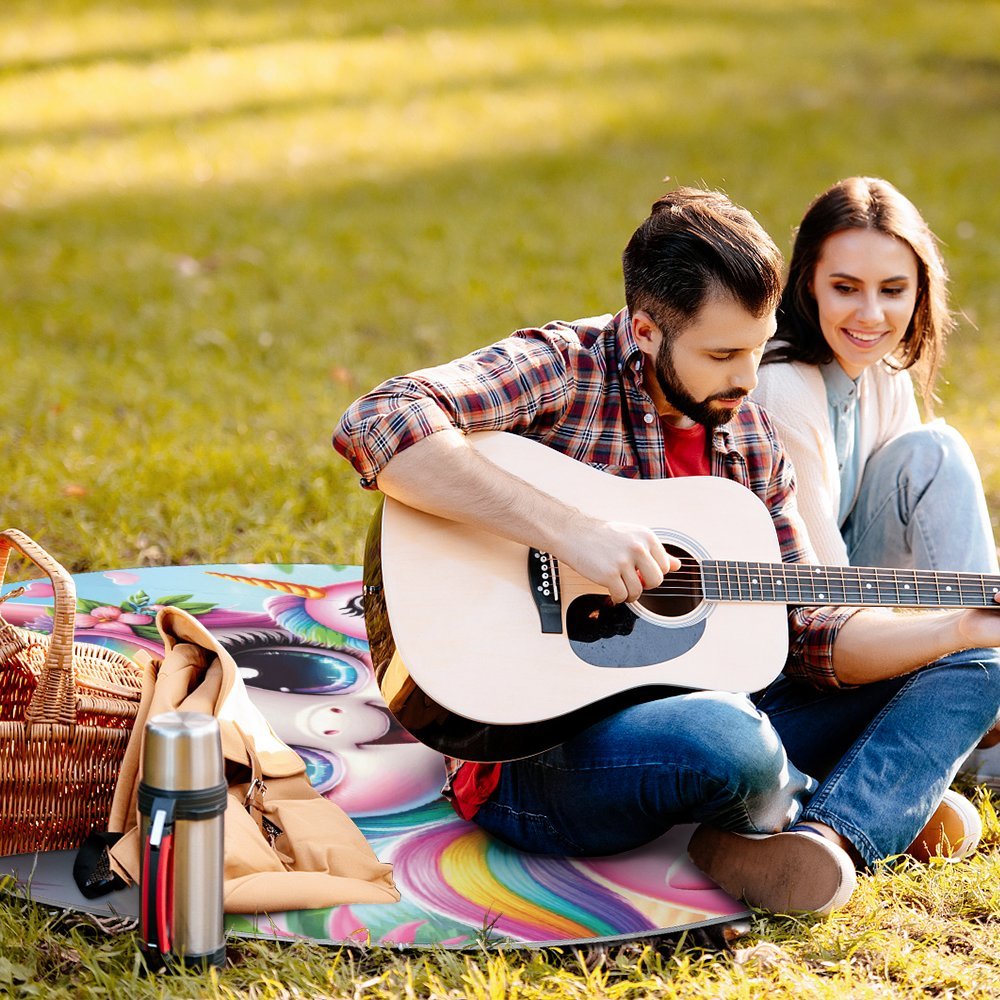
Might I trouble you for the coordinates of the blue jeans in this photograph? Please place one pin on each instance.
(884, 754)
(694, 757)
(921, 506)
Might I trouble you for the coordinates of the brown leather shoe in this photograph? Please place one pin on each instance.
(953, 832)
(788, 872)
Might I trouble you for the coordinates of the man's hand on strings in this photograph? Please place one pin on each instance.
(624, 558)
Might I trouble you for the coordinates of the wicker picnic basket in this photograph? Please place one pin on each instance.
(66, 711)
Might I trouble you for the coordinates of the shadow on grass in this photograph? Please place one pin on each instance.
(249, 23)
(178, 355)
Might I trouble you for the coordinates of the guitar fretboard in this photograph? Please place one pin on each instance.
(792, 583)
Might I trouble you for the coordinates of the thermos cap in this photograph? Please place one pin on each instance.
(182, 752)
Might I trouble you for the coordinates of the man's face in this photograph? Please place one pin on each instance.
(704, 374)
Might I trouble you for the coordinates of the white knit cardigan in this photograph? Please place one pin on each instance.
(794, 395)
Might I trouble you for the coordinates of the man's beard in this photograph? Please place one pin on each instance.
(680, 399)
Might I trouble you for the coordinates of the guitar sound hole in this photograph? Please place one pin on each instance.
(680, 593)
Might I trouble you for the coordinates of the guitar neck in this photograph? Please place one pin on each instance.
(801, 583)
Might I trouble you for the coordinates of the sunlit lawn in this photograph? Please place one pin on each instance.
(222, 221)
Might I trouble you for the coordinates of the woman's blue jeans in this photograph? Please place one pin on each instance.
(872, 762)
(920, 505)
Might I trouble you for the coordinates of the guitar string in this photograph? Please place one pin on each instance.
(809, 571)
(834, 599)
(688, 581)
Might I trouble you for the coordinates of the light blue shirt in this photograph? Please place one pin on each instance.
(842, 402)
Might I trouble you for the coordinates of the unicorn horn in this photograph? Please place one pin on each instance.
(296, 589)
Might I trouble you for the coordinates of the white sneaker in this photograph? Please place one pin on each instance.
(790, 872)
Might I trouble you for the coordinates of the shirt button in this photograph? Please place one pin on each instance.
(648, 418)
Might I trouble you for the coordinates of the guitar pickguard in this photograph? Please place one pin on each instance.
(613, 635)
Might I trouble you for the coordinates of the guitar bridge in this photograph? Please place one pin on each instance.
(543, 578)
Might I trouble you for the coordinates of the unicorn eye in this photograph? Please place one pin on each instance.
(355, 607)
(324, 769)
(277, 661)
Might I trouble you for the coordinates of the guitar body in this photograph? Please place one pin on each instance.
(475, 663)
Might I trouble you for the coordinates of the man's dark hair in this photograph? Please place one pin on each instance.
(694, 244)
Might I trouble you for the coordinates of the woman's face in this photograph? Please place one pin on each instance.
(865, 285)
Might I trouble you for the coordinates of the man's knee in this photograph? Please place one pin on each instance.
(738, 737)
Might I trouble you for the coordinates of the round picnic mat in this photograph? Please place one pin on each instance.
(297, 635)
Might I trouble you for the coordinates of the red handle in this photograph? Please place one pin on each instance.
(156, 904)
(165, 893)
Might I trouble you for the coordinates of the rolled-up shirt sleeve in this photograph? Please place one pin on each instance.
(812, 632)
(517, 383)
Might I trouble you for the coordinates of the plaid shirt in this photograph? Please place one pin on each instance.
(577, 387)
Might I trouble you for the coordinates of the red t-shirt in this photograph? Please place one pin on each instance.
(686, 455)
(686, 450)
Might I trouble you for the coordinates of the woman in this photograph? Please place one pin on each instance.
(865, 305)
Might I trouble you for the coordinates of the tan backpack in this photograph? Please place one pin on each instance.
(286, 847)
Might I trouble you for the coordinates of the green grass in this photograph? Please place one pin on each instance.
(221, 221)
(910, 932)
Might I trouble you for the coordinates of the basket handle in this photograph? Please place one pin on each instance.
(54, 700)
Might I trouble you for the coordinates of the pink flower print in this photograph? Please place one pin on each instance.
(131, 618)
(105, 618)
(106, 613)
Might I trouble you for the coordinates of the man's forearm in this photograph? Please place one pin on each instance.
(444, 475)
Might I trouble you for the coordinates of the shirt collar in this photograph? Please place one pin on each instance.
(629, 355)
(840, 387)
(722, 440)
(632, 361)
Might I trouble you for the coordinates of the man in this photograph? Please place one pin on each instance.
(852, 749)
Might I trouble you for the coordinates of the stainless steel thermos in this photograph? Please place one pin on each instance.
(182, 799)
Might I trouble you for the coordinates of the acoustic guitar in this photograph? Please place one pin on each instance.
(489, 650)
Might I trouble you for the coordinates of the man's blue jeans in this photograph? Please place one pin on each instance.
(886, 752)
(872, 762)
